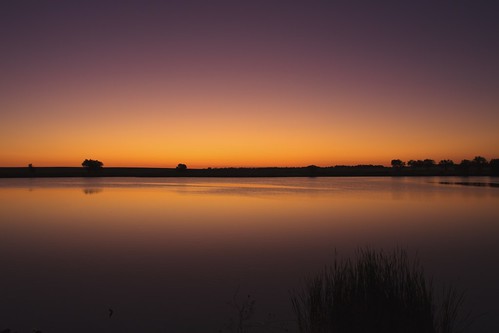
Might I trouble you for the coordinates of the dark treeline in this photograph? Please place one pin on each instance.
(479, 166)
(312, 171)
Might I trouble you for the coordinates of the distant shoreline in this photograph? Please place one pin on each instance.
(310, 171)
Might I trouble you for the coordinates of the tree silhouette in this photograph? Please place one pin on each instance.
(446, 164)
(494, 165)
(416, 164)
(181, 167)
(429, 163)
(92, 164)
(479, 161)
(465, 166)
(397, 163)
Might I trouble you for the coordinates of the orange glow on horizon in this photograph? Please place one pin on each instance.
(218, 92)
(263, 134)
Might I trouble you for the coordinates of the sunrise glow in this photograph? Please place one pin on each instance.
(262, 83)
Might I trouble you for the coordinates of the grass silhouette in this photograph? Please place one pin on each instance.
(377, 292)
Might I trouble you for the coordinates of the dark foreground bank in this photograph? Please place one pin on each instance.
(310, 171)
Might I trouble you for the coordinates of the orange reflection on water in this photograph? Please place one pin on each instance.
(131, 242)
(217, 213)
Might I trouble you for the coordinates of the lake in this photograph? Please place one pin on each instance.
(177, 254)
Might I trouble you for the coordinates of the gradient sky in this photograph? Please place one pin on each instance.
(247, 83)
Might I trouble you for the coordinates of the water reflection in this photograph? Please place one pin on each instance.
(91, 191)
(167, 254)
(479, 184)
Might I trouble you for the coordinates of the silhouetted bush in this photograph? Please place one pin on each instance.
(415, 164)
(181, 167)
(446, 164)
(378, 292)
(429, 163)
(464, 166)
(92, 164)
(426, 163)
(479, 162)
(494, 165)
(465, 163)
(397, 163)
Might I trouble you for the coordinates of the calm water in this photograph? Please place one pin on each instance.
(169, 255)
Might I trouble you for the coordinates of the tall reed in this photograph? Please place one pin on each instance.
(377, 292)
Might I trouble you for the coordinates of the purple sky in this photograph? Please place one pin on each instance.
(247, 82)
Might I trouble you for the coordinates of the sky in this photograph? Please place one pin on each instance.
(247, 83)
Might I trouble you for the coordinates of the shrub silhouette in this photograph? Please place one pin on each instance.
(415, 164)
(479, 161)
(494, 165)
(92, 164)
(181, 167)
(446, 164)
(397, 163)
(427, 163)
(378, 292)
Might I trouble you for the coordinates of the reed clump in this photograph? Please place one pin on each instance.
(376, 292)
